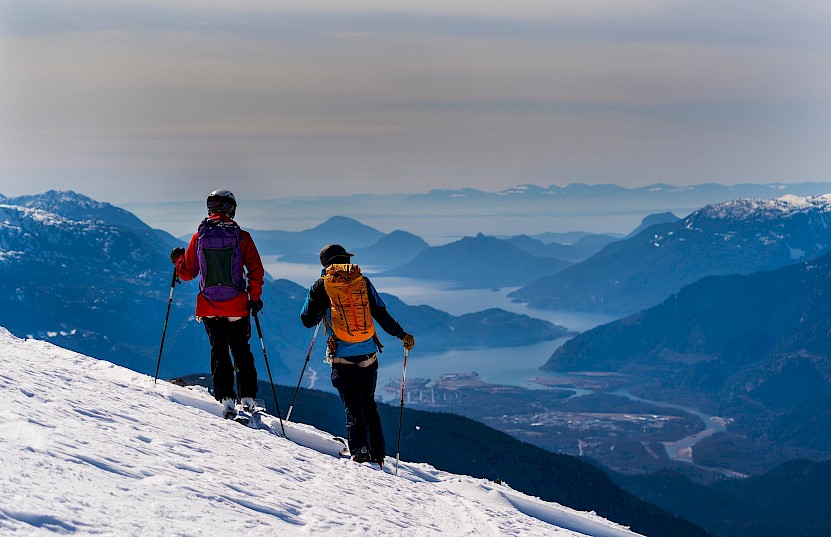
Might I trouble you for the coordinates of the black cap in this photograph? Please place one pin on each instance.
(330, 252)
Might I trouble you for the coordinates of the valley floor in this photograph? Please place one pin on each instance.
(577, 416)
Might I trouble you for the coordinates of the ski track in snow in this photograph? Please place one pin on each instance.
(90, 448)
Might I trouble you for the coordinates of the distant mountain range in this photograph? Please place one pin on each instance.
(577, 247)
(736, 237)
(471, 262)
(370, 246)
(478, 262)
(654, 220)
(582, 190)
(396, 248)
(99, 284)
(575, 252)
(445, 214)
(566, 237)
(341, 230)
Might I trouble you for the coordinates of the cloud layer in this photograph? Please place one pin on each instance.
(285, 99)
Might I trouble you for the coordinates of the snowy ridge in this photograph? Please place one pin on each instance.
(16, 214)
(93, 448)
(56, 198)
(22, 227)
(74, 207)
(41, 234)
(746, 208)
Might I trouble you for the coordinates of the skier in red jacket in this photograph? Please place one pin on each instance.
(224, 256)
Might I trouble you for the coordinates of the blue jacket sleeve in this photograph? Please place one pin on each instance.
(380, 314)
(317, 302)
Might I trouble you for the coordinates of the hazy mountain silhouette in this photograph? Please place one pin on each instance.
(307, 243)
(653, 220)
(478, 262)
(391, 250)
(570, 237)
(581, 249)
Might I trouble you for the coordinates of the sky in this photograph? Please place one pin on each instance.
(145, 100)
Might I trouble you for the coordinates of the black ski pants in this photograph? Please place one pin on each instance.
(232, 336)
(356, 386)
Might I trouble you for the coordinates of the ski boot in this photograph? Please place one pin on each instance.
(362, 455)
(229, 410)
(248, 404)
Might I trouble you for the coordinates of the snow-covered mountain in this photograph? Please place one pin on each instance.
(79, 278)
(76, 207)
(39, 238)
(765, 209)
(93, 448)
(734, 237)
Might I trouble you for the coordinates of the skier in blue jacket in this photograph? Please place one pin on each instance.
(348, 303)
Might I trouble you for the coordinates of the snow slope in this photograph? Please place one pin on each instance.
(87, 447)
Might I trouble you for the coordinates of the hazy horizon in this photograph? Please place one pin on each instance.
(445, 215)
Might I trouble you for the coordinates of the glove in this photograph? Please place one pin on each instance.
(255, 306)
(176, 253)
(408, 340)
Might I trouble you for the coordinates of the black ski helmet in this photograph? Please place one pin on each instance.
(222, 201)
(331, 252)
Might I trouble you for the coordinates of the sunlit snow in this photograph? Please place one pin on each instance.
(92, 448)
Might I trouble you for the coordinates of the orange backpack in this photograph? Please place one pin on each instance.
(351, 316)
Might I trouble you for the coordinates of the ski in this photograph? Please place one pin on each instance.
(344, 452)
(243, 418)
(259, 418)
(250, 417)
(375, 465)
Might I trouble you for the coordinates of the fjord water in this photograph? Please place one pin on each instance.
(516, 366)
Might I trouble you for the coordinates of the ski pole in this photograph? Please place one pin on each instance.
(268, 368)
(291, 406)
(401, 412)
(166, 316)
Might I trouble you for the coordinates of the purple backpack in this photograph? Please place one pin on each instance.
(220, 260)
